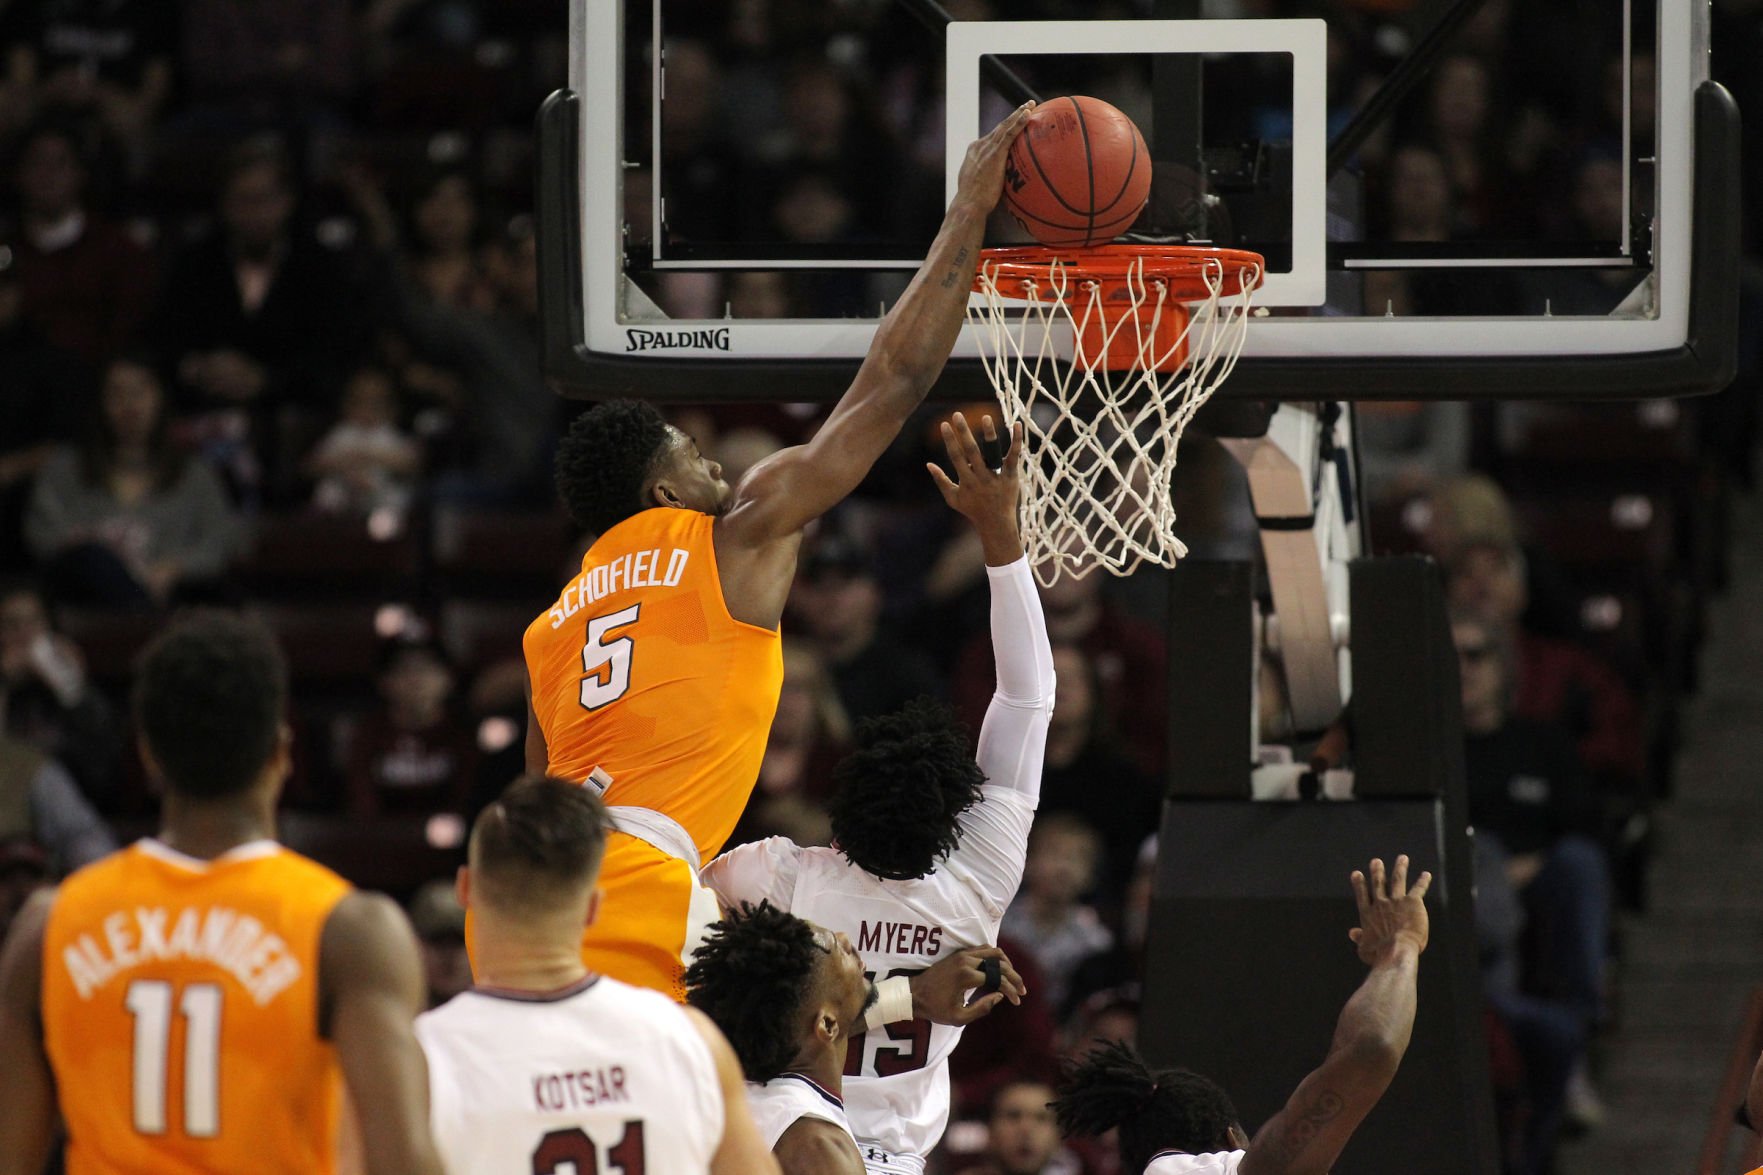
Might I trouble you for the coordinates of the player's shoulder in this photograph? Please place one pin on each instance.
(1180, 1163)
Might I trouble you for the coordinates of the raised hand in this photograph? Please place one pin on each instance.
(987, 497)
(982, 171)
(939, 993)
(1389, 915)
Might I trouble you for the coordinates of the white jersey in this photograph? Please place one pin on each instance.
(601, 1076)
(896, 1083)
(1177, 1163)
(783, 1101)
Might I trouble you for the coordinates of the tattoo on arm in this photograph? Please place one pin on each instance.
(954, 273)
(1291, 1142)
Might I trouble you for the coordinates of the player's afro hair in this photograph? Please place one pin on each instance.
(209, 698)
(604, 459)
(1161, 1110)
(899, 794)
(753, 975)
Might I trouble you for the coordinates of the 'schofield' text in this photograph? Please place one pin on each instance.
(235, 942)
(634, 569)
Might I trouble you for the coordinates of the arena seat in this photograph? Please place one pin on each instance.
(500, 554)
(308, 554)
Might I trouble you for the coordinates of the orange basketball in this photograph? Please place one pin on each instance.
(1079, 173)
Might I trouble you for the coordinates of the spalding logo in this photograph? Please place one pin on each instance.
(711, 339)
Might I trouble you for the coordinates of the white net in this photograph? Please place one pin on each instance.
(1101, 444)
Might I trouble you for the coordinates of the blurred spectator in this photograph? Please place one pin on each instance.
(839, 600)
(1049, 915)
(1087, 776)
(40, 801)
(39, 394)
(24, 869)
(511, 414)
(1022, 1138)
(413, 753)
(1555, 683)
(1127, 655)
(810, 733)
(86, 285)
(366, 462)
(1595, 200)
(130, 520)
(1123, 964)
(1526, 792)
(111, 58)
(257, 316)
(445, 232)
(701, 191)
(46, 699)
(288, 64)
(439, 921)
(439, 246)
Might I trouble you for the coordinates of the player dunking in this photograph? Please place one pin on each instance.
(193, 1000)
(545, 1065)
(657, 672)
(930, 843)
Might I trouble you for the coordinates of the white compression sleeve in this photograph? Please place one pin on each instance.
(1013, 741)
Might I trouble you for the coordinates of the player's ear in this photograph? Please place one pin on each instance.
(462, 886)
(827, 1025)
(662, 493)
(1238, 1140)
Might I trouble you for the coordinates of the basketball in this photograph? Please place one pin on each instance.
(1079, 174)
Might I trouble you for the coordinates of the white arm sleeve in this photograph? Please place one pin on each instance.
(1013, 740)
(762, 871)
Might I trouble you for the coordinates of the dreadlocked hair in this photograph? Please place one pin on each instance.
(604, 459)
(1155, 1110)
(753, 975)
(898, 795)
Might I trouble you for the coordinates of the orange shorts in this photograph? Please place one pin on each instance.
(653, 914)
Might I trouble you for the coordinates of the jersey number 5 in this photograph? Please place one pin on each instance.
(149, 1001)
(573, 1151)
(607, 663)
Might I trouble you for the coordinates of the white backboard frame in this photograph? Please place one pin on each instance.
(618, 321)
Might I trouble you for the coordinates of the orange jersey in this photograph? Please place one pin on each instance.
(180, 1012)
(640, 670)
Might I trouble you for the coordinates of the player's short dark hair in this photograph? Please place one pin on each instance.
(898, 795)
(754, 975)
(540, 841)
(209, 698)
(1155, 1110)
(603, 462)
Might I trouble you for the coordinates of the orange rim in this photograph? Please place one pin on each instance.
(1184, 269)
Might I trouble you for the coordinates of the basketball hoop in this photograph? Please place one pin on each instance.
(1153, 331)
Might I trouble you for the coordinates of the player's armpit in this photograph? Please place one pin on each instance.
(814, 1146)
(371, 989)
(27, 1126)
(740, 1150)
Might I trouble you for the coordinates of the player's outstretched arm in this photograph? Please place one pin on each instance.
(1308, 1135)
(741, 1150)
(785, 492)
(370, 979)
(27, 1125)
(1013, 738)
